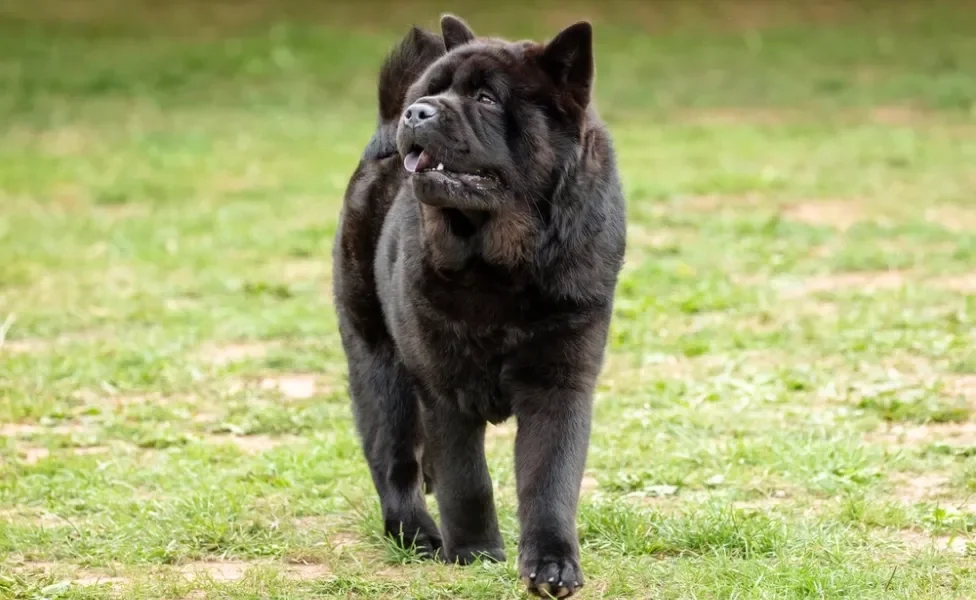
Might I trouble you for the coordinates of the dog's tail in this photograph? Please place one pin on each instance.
(402, 67)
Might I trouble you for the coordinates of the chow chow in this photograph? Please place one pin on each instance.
(477, 255)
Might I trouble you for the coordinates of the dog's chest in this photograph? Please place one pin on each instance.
(463, 361)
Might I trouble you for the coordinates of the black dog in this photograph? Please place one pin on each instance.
(475, 266)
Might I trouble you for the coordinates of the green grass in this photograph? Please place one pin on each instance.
(787, 406)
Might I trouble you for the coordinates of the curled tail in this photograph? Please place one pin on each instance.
(402, 67)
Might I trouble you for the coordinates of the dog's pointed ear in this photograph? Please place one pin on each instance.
(455, 32)
(568, 58)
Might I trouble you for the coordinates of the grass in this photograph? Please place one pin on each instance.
(787, 406)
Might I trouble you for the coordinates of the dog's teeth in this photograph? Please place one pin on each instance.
(440, 166)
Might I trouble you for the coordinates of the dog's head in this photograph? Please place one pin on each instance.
(489, 125)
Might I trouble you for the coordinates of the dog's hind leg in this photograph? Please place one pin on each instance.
(387, 417)
(462, 485)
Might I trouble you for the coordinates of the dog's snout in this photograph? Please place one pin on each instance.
(419, 113)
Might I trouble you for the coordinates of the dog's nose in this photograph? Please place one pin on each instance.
(418, 113)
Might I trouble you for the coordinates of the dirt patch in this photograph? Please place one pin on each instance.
(57, 141)
(35, 518)
(902, 365)
(90, 450)
(68, 576)
(341, 541)
(30, 429)
(331, 529)
(712, 202)
(297, 271)
(306, 572)
(225, 571)
(138, 210)
(295, 386)
(747, 362)
(639, 236)
(953, 217)
(920, 487)
(247, 178)
(326, 524)
(180, 303)
(865, 281)
(965, 284)
(665, 498)
(766, 503)
(98, 579)
(315, 523)
(251, 444)
(66, 141)
(784, 500)
(33, 455)
(621, 372)
(121, 401)
(962, 385)
(961, 434)
(918, 540)
(205, 418)
(899, 115)
(217, 571)
(22, 346)
(224, 354)
(840, 214)
(43, 344)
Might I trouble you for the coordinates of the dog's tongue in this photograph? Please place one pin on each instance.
(417, 161)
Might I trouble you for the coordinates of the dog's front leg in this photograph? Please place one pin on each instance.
(550, 455)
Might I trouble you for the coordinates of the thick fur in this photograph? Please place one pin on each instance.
(482, 290)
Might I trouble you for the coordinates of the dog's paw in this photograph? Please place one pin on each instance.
(469, 554)
(420, 533)
(552, 577)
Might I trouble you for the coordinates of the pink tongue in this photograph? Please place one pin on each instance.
(415, 161)
(410, 161)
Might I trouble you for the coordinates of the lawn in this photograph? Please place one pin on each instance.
(787, 408)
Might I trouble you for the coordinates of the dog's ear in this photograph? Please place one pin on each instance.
(455, 31)
(568, 59)
(417, 50)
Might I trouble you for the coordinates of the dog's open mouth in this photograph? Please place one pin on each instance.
(419, 160)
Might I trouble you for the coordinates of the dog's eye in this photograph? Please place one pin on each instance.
(486, 98)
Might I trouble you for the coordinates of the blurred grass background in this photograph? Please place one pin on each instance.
(787, 407)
